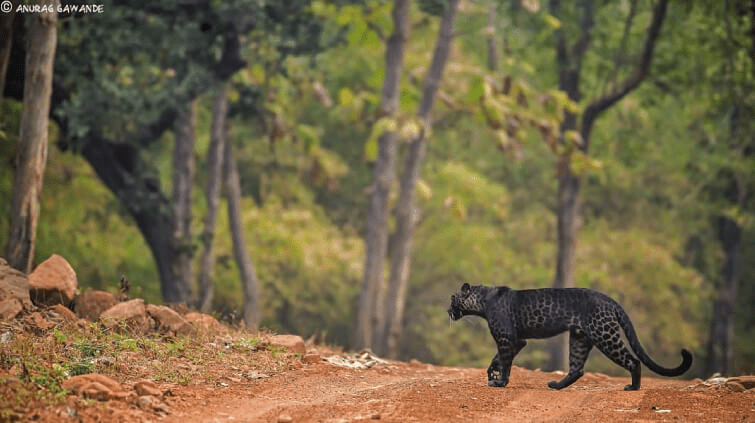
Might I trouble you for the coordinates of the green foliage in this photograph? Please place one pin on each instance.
(308, 270)
(84, 227)
(472, 190)
(477, 246)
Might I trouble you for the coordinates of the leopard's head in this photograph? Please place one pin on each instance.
(467, 300)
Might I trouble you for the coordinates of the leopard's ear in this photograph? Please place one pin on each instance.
(465, 288)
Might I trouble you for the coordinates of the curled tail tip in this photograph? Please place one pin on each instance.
(675, 371)
(686, 360)
(686, 363)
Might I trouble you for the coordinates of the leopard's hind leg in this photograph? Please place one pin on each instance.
(579, 348)
(611, 344)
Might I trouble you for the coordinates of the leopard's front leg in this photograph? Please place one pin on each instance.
(494, 370)
(500, 367)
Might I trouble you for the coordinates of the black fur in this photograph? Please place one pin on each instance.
(592, 319)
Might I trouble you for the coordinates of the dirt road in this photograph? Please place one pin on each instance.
(415, 392)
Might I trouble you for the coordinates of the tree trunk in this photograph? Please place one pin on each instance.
(249, 283)
(212, 194)
(183, 199)
(568, 216)
(122, 171)
(6, 44)
(369, 314)
(406, 207)
(569, 65)
(31, 156)
(721, 340)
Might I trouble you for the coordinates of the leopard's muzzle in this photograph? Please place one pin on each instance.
(454, 313)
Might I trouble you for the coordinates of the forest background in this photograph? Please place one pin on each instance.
(665, 214)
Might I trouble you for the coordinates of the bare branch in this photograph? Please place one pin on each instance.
(632, 81)
(621, 52)
(438, 64)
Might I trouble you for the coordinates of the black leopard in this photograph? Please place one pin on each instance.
(592, 319)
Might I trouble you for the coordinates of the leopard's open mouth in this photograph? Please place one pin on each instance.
(454, 314)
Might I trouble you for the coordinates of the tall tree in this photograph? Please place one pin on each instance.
(721, 338)
(249, 282)
(569, 59)
(370, 316)
(183, 199)
(406, 209)
(31, 156)
(215, 155)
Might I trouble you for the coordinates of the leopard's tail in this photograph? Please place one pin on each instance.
(634, 342)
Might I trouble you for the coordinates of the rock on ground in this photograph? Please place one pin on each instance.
(292, 343)
(95, 386)
(91, 304)
(148, 402)
(132, 314)
(148, 387)
(205, 322)
(10, 308)
(14, 291)
(168, 320)
(748, 382)
(53, 282)
(64, 312)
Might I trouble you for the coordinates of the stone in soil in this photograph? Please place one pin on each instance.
(292, 343)
(14, 285)
(131, 314)
(168, 320)
(95, 386)
(91, 304)
(53, 282)
(205, 322)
